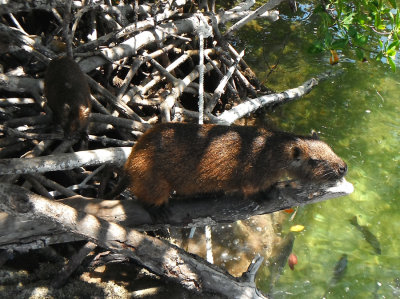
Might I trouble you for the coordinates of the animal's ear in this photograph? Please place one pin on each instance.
(314, 135)
(296, 153)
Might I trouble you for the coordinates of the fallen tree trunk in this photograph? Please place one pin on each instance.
(21, 234)
(160, 257)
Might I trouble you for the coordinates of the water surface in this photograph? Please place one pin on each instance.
(358, 114)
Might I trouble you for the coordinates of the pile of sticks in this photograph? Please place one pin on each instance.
(145, 63)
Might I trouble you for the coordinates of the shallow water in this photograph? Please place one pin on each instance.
(358, 114)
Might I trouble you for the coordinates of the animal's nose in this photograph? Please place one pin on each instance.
(343, 169)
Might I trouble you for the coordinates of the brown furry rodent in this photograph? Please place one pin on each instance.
(191, 158)
(68, 95)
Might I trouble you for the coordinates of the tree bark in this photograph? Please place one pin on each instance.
(22, 234)
(160, 257)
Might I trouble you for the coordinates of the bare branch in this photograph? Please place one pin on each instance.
(179, 88)
(17, 84)
(116, 155)
(251, 105)
(257, 13)
(221, 87)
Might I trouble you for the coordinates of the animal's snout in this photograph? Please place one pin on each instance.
(343, 169)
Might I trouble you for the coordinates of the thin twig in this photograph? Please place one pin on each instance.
(257, 13)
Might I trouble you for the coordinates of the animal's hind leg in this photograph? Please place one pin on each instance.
(152, 193)
(155, 200)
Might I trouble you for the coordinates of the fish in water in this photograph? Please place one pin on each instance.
(279, 260)
(368, 236)
(338, 273)
(340, 269)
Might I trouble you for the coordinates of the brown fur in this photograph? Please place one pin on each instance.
(190, 158)
(68, 95)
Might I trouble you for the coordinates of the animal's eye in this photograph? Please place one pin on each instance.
(313, 162)
(296, 153)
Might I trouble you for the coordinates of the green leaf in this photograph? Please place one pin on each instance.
(391, 52)
(360, 54)
(372, 7)
(392, 64)
(393, 3)
(348, 20)
(328, 38)
(319, 9)
(317, 47)
(394, 45)
(377, 21)
(339, 44)
(360, 39)
(352, 31)
(380, 4)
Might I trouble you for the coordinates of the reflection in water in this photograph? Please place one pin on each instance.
(235, 245)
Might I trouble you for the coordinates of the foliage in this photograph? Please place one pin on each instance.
(370, 27)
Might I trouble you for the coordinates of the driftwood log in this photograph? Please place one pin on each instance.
(20, 233)
(27, 211)
(160, 257)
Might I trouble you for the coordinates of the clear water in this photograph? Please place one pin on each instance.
(358, 113)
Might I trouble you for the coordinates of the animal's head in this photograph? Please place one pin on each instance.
(314, 160)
